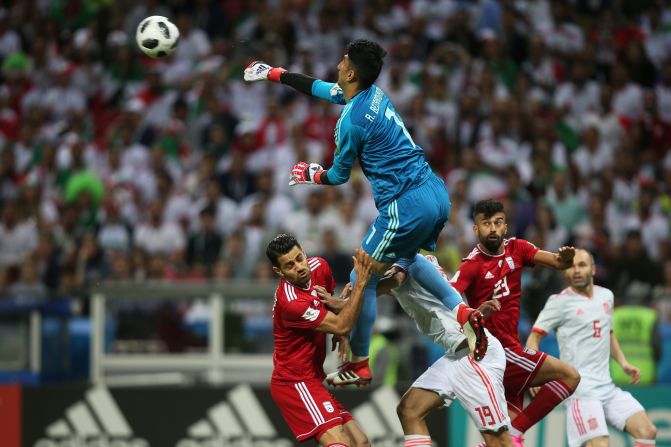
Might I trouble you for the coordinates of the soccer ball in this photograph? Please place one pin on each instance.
(157, 36)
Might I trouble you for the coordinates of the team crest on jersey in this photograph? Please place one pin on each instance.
(311, 314)
(530, 351)
(593, 423)
(579, 312)
(328, 406)
(606, 308)
(510, 262)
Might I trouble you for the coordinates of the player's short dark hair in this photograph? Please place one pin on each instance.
(488, 208)
(367, 58)
(280, 245)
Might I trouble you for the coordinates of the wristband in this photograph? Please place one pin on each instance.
(275, 73)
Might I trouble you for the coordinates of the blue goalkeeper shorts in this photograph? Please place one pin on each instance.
(409, 223)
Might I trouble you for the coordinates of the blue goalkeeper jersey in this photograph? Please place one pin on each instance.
(370, 129)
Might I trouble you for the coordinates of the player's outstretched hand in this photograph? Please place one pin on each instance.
(260, 71)
(565, 255)
(334, 304)
(342, 343)
(303, 172)
(632, 372)
(363, 265)
(488, 307)
(345, 291)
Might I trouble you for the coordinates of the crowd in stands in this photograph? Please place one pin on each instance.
(115, 166)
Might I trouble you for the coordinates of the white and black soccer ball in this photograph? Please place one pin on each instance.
(157, 36)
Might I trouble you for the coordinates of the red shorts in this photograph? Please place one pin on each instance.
(522, 365)
(308, 408)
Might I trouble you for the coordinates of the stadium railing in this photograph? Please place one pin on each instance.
(240, 311)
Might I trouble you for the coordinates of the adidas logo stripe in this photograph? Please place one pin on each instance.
(240, 416)
(97, 415)
(378, 417)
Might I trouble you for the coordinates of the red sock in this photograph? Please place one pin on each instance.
(550, 395)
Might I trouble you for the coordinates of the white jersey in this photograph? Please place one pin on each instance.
(431, 316)
(583, 326)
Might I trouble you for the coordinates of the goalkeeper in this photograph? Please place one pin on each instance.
(412, 201)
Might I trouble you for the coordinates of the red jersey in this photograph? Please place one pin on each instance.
(482, 277)
(300, 349)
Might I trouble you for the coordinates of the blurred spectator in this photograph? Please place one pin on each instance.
(18, 236)
(91, 264)
(28, 288)
(661, 295)
(156, 236)
(633, 273)
(114, 235)
(204, 246)
(339, 260)
(237, 182)
(653, 227)
(306, 224)
(565, 205)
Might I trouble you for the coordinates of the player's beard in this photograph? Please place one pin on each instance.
(492, 245)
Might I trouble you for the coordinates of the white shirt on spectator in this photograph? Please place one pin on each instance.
(654, 232)
(628, 101)
(9, 43)
(114, 236)
(194, 46)
(307, 228)
(564, 38)
(62, 101)
(227, 215)
(589, 163)
(166, 239)
(276, 208)
(17, 242)
(577, 100)
(663, 93)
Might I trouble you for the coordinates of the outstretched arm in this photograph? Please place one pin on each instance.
(561, 260)
(259, 71)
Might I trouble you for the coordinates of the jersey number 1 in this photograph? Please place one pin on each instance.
(390, 114)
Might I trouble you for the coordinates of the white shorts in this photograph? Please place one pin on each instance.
(477, 385)
(586, 418)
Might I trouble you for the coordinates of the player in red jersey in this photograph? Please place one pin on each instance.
(300, 324)
(493, 272)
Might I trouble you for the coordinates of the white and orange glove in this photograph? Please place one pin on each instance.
(303, 172)
(259, 71)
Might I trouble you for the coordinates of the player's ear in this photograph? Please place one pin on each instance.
(278, 272)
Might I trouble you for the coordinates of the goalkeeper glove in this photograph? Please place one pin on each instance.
(306, 173)
(258, 71)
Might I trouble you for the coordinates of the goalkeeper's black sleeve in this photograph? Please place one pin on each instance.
(301, 82)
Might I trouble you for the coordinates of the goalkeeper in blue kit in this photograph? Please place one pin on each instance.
(412, 201)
